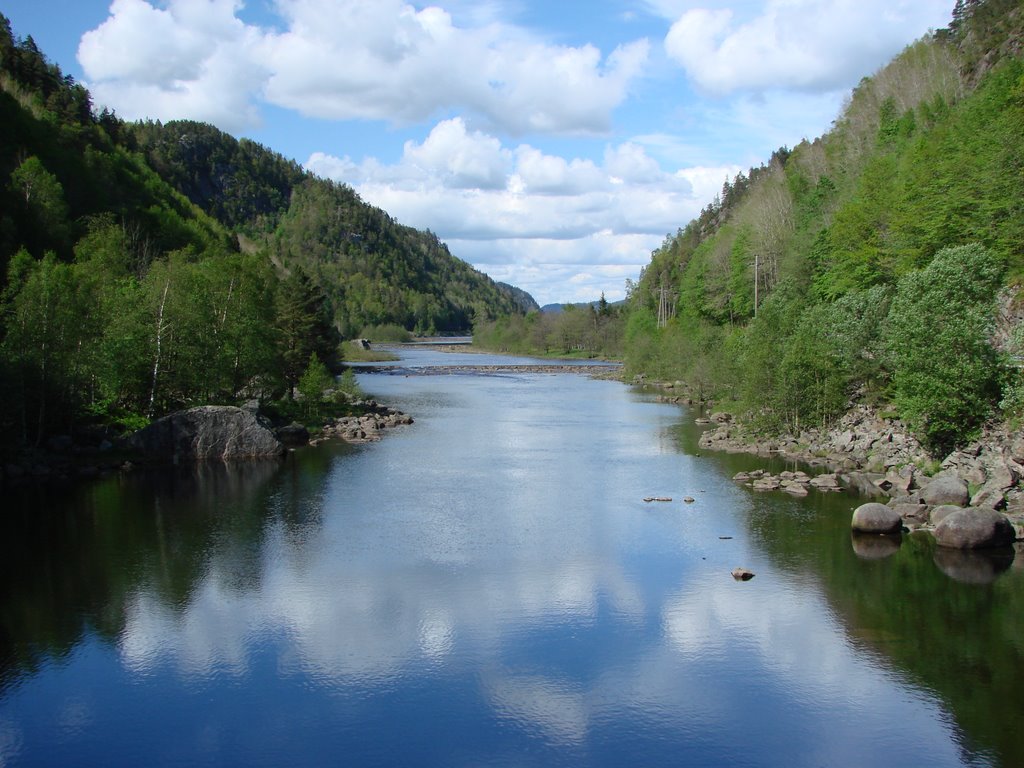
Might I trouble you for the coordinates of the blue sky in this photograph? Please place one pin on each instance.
(551, 144)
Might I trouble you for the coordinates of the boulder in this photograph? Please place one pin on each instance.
(946, 488)
(294, 435)
(913, 498)
(207, 432)
(990, 497)
(742, 574)
(766, 484)
(917, 513)
(974, 529)
(876, 518)
(943, 511)
(826, 482)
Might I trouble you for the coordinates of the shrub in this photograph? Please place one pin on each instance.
(945, 371)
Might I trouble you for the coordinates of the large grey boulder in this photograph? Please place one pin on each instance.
(876, 518)
(943, 511)
(946, 488)
(206, 432)
(974, 528)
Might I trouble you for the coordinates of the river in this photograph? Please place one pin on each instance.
(488, 587)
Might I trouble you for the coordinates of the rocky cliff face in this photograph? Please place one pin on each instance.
(208, 432)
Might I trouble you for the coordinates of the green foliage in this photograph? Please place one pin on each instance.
(375, 271)
(945, 371)
(348, 385)
(313, 383)
(844, 231)
(145, 303)
(302, 322)
(585, 330)
(239, 182)
(1012, 404)
(387, 332)
(42, 197)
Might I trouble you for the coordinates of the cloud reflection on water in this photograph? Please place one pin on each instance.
(544, 592)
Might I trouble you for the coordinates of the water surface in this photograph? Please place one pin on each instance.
(489, 587)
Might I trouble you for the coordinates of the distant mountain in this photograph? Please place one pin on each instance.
(525, 301)
(374, 270)
(555, 308)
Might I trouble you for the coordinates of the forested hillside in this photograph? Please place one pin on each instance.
(868, 264)
(148, 267)
(373, 270)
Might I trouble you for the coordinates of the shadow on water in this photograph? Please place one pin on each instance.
(951, 621)
(72, 557)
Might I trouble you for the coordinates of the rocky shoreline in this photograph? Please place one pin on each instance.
(877, 456)
(366, 428)
(204, 433)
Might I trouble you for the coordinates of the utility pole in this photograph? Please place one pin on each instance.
(756, 264)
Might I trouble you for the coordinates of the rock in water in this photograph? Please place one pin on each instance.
(975, 528)
(876, 518)
(207, 432)
(294, 435)
(941, 512)
(742, 574)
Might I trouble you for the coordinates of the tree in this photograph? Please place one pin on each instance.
(302, 322)
(945, 371)
(49, 327)
(312, 384)
(43, 198)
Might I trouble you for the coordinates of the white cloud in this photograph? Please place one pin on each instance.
(460, 159)
(812, 45)
(542, 222)
(348, 59)
(541, 174)
(193, 59)
(458, 183)
(630, 162)
(545, 222)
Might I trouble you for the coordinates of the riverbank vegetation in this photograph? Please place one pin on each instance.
(878, 263)
(579, 330)
(148, 267)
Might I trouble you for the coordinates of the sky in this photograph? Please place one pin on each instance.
(553, 144)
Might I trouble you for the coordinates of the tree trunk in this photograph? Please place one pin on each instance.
(160, 328)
